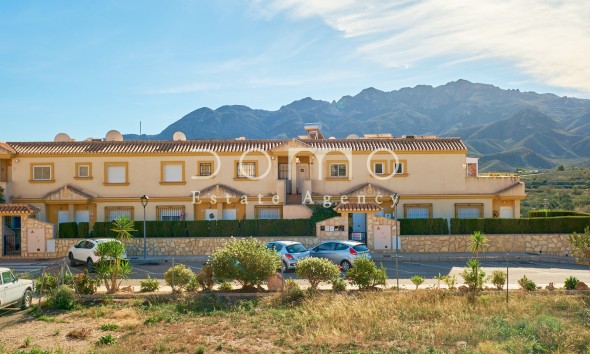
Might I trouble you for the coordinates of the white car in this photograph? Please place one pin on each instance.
(14, 291)
(85, 252)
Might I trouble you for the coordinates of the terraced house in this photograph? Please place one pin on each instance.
(101, 179)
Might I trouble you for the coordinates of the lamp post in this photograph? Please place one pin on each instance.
(395, 201)
(144, 201)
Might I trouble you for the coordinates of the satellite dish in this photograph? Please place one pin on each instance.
(88, 139)
(352, 136)
(179, 136)
(114, 135)
(62, 138)
(331, 138)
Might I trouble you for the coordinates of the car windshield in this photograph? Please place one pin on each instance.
(296, 248)
(360, 248)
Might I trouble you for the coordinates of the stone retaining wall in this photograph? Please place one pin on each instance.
(179, 246)
(552, 244)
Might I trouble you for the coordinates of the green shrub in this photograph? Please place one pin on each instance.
(149, 285)
(106, 340)
(205, 278)
(451, 281)
(316, 270)
(571, 282)
(63, 298)
(225, 286)
(527, 284)
(46, 284)
(435, 226)
(417, 280)
(247, 261)
(365, 274)
(108, 327)
(498, 278)
(179, 277)
(473, 275)
(292, 295)
(338, 285)
(84, 283)
(68, 230)
(192, 285)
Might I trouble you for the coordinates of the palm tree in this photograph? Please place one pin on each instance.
(477, 242)
(113, 268)
(123, 227)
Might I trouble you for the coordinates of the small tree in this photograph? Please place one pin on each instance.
(417, 280)
(112, 267)
(473, 276)
(248, 261)
(438, 279)
(498, 278)
(2, 195)
(179, 276)
(316, 270)
(365, 274)
(581, 245)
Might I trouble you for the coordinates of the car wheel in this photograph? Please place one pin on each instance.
(90, 265)
(72, 260)
(345, 265)
(284, 267)
(27, 300)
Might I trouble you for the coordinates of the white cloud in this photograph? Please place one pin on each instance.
(549, 40)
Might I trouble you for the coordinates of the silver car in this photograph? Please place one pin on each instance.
(290, 252)
(341, 252)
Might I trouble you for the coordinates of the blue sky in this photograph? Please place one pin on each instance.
(85, 67)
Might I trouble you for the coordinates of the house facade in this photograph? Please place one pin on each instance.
(99, 180)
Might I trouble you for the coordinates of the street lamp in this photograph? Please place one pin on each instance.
(144, 201)
(395, 202)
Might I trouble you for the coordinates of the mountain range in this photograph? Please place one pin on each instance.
(507, 129)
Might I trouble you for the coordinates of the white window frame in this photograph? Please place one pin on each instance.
(338, 174)
(246, 169)
(382, 165)
(49, 178)
(87, 175)
(172, 173)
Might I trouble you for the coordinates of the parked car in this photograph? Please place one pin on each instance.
(14, 291)
(85, 252)
(290, 252)
(341, 252)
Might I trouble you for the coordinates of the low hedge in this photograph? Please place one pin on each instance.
(558, 224)
(216, 228)
(68, 230)
(424, 227)
(83, 229)
(554, 213)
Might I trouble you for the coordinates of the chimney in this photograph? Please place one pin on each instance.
(314, 131)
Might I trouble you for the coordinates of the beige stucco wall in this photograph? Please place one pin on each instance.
(434, 177)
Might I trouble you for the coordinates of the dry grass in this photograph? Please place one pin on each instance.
(79, 333)
(409, 321)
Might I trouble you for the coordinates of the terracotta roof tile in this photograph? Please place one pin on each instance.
(168, 146)
(18, 209)
(357, 207)
(6, 149)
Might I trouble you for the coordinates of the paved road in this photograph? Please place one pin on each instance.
(541, 272)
